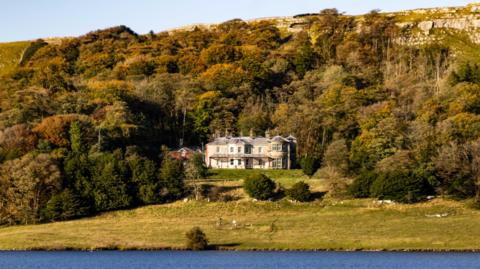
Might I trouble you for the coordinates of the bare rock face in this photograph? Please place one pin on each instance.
(465, 18)
(425, 26)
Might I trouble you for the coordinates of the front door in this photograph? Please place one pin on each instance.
(248, 163)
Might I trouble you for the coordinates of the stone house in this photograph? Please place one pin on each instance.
(251, 152)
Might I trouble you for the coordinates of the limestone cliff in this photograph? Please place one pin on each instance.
(421, 24)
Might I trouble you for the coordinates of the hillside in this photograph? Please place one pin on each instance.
(10, 55)
(350, 225)
(384, 106)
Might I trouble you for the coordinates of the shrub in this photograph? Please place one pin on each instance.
(360, 187)
(300, 191)
(196, 239)
(402, 186)
(309, 165)
(259, 186)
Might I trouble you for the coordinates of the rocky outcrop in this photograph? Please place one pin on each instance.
(421, 22)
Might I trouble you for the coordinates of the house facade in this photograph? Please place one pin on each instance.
(249, 152)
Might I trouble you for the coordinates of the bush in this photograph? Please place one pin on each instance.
(259, 186)
(196, 239)
(360, 187)
(402, 186)
(300, 191)
(309, 165)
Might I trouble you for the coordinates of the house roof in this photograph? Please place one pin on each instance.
(243, 140)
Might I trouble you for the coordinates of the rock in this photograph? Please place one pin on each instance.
(476, 23)
(426, 26)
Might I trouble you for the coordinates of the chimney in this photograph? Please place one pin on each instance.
(267, 134)
(241, 133)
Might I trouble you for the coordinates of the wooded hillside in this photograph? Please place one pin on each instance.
(83, 121)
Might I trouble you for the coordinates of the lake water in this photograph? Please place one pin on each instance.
(236, 260)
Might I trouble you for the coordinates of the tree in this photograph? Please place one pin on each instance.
(110, 183)
(195, 170)
(259, 186)
(16, 141)
(77, 144)
(172, 177)
(26, 185)
(305, 56)
(64, 206)
(144, 178)
(453, 168)
(56, 128)
(402, 186)
(196, 239)
(309, 165)
(300, 191)
(360, 188)
(336, 156)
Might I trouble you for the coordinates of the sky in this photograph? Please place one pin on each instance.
(31, 19)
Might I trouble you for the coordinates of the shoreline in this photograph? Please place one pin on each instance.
(226, 249)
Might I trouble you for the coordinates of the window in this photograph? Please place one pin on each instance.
(239, 162)
(260, 162)
(260, 150)
(276, 147)
(239, 149)
(248, 150)
(231, 161)
(218, 149)
(277, 163)
(231, 149)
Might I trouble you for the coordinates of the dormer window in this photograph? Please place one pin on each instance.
(276, 147)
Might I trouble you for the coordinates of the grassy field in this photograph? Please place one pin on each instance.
(282, 225)
(10, 55)
(347, 225)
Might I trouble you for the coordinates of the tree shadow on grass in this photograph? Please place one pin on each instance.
(318, 195)
(223, 246)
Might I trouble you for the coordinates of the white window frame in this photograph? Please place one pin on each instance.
(277, 147)
(277, 163)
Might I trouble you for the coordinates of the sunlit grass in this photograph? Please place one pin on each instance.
(10, 55)
(347, 225)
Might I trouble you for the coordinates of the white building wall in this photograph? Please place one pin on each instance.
(233, 150)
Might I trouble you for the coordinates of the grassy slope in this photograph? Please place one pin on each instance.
(356, 224)
(347, 225)
(10, 54)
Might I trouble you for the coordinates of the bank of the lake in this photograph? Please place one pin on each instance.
(438, 225)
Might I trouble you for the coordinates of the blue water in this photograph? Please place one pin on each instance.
(236, 260)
